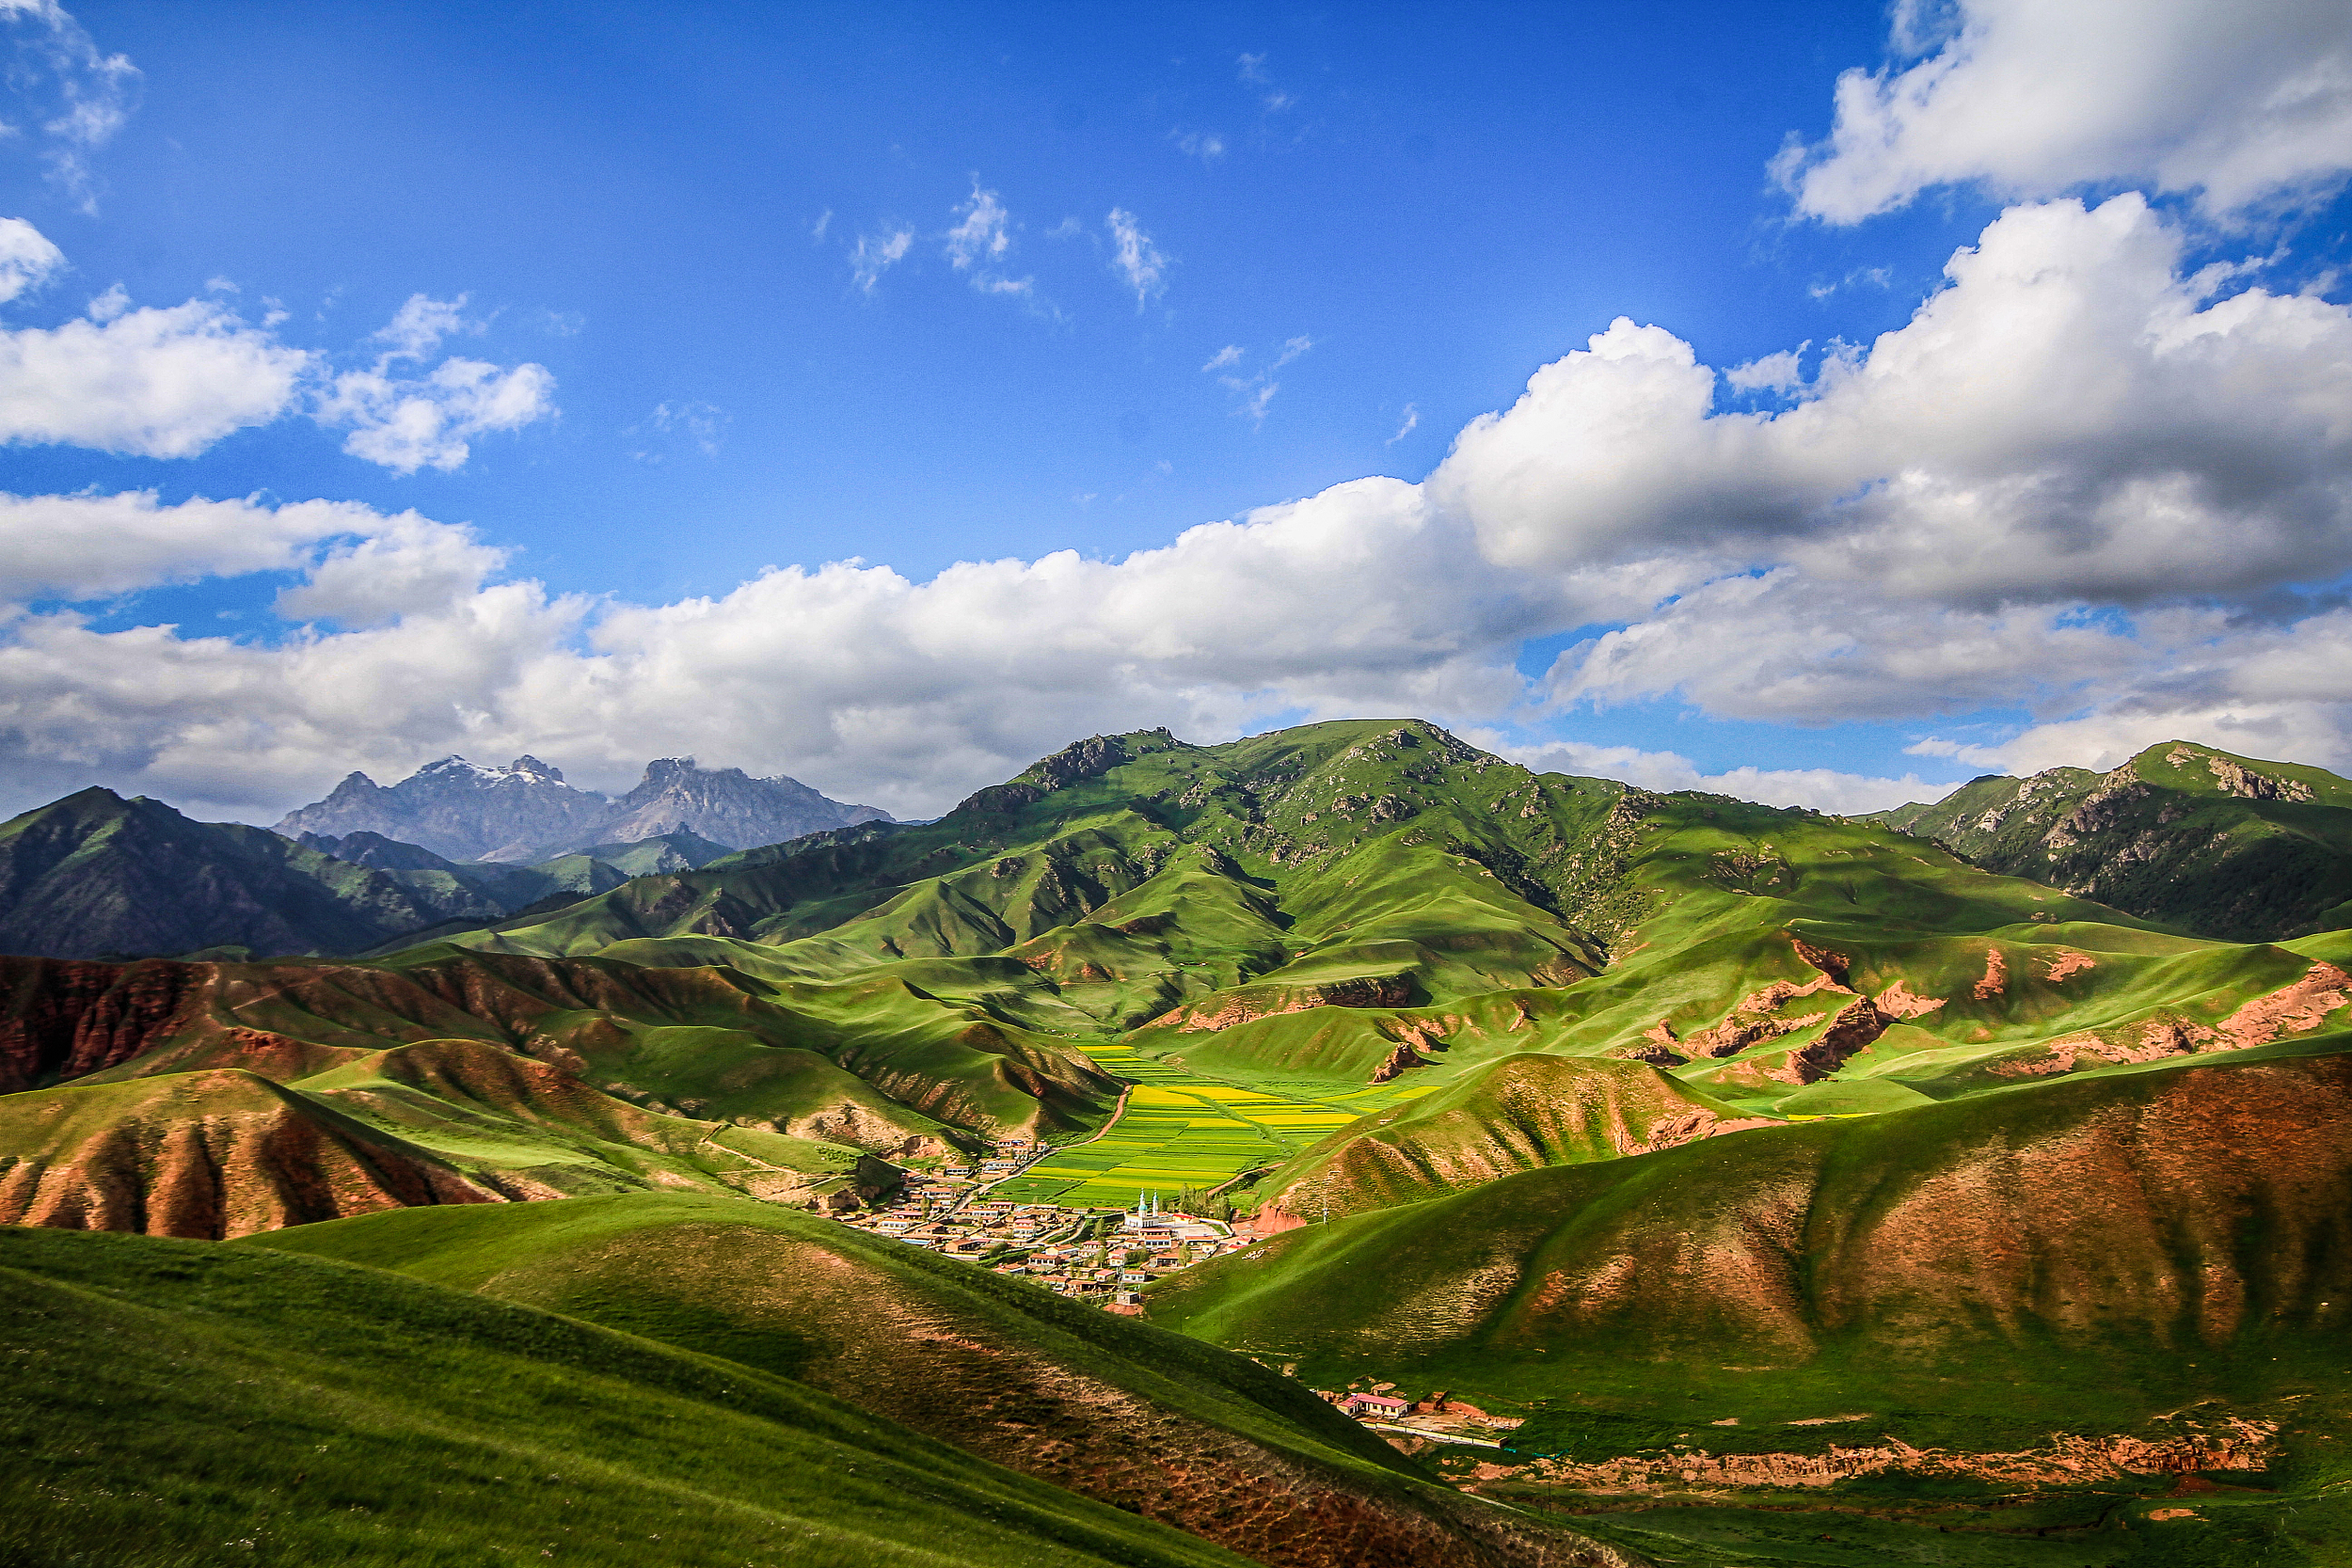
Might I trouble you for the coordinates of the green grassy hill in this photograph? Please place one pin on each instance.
(1129, 1414)
(1624, 1101)
(2151, 1263)
(94, 875)
(173, 1403)
(2191, 837)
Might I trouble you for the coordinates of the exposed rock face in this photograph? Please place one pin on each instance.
(2217, 845)
(729, 806)
(526, 812)
(464, 812)
(205, 1156)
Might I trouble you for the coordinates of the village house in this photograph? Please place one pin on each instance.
(1374, 1407)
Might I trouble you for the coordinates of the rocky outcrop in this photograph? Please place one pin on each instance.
(727, 806)
(1243, 1003)
(527, 812)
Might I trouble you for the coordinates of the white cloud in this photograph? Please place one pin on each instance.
(1136, 259)
(1774, 372)
(91, 546)
(146, 382)
(2070, 419)
(703, 424)
(2242, 103)
(80, 96)
(27, 259)
(1412, 422)
(1253, 69)
(856, 677)
(2078, 485)
(405, 566)
(1229, 355)
(1823, 789)
(877, 254)
(418, 326)
(983, 235)
(150, 382)
(1256, 392)
(429, 420)
(816, 229)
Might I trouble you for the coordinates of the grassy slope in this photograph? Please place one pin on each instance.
(1113, 1408)
(2202, 840)
(173, 1403)
(2108, 1241)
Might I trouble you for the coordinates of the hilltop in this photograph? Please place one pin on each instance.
(2191, 837)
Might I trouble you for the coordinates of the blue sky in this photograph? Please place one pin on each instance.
(765, 286)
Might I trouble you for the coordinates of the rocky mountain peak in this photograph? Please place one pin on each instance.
(525, 812)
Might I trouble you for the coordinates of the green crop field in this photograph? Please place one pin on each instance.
(1179, 1128)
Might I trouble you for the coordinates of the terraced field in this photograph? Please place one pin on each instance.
(1179, 1129)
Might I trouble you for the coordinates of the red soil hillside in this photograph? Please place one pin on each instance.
(204, 1155)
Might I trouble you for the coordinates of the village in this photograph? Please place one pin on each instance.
(1100, 1255)
(1104, 1257)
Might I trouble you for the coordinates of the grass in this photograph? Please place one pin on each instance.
(177, 1402)
(1114, 1408)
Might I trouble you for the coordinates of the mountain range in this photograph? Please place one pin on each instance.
(1807, 1191)
(526, 813)
(2202, 840)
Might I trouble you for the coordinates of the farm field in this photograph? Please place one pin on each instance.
(1179, 1129)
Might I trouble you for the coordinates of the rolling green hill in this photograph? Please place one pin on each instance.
(2022, 1315)
(172, 1402)
(1618, 1103)
(1124, 1413)
(2193, 838)
(94, 874)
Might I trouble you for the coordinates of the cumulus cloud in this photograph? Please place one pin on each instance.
(80, 96)
(1136, 259)
(903, 691)
(2071, 417)
(2083, 486)
(145, 382)
(1772, 372)
(27, 258)
(170, 382)
(404, 424)
(2242, 103)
